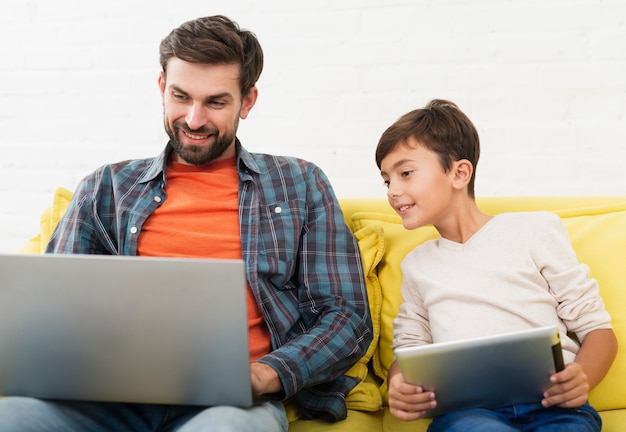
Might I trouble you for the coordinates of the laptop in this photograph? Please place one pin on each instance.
(487, 372)
(124, 329)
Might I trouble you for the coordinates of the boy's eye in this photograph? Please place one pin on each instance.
(386, 183)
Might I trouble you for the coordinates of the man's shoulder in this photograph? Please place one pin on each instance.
(121, 176)
(130, 164)
(127, 168)
(273, 161)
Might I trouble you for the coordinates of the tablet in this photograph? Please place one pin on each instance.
(487, 372)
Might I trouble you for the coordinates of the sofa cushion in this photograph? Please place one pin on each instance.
(48, 221)
(398, 242)
(597, 234)
(366, 395)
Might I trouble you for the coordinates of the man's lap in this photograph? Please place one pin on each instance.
(34, 415)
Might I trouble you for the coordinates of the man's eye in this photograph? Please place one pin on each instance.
(178, 96)
(217, 104)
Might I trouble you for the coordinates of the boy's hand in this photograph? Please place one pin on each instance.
(569, 389)
(407, 401)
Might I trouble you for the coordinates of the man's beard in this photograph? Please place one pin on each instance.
(199, 155)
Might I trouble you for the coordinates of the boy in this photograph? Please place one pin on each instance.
(486, 275)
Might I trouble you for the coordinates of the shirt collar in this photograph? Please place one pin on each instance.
(245, 160)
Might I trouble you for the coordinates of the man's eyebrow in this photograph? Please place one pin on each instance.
(223, 95)
(177, 89)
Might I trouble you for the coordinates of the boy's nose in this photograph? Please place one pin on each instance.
(393, 191)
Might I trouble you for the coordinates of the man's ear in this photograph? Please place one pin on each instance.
(161, 82)
(248, 102)
(462, 173)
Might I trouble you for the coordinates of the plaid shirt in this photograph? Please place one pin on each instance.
(302, 262)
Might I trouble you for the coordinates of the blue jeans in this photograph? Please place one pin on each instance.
(525, 417)
(20, 414)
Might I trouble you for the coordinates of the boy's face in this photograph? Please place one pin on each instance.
(418, 188)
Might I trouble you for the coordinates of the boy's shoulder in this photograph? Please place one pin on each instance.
(527, 218)
(526, 224)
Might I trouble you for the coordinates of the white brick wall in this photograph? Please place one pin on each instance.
(543, 80)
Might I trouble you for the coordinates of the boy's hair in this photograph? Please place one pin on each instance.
(215, 40)
(440, 127)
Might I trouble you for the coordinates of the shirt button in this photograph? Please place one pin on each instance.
(157, 199)
(133, 230)
(277, 210)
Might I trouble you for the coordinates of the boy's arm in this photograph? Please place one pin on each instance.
(572, 385)
(597, 352)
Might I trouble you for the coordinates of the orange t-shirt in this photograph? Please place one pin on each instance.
(200, 218)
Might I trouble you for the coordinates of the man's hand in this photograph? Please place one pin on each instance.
(264, 380)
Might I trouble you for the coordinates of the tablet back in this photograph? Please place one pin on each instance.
(488, 372)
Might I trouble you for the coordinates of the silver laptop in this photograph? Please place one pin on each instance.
(124, 329)
(487, 372)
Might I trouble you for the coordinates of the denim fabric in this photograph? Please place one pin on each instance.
(525, 417)
(19, 414)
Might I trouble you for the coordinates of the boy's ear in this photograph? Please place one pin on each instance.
(462, 173)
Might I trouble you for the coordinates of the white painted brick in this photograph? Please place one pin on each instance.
(543, 80)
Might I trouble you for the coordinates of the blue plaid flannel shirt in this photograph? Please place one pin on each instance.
(302, 262)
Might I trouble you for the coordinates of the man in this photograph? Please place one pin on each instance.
(206, 196)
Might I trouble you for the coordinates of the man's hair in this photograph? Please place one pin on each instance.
(440, 127)
(215, 40)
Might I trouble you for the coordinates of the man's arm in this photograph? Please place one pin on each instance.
(76, 231)
(323, 310)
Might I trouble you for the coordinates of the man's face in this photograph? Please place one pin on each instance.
(202, 105)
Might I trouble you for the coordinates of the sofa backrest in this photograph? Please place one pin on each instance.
(597, 228)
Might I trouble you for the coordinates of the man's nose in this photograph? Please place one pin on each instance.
(196, 117)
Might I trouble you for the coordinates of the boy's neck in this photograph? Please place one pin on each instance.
(464, 220)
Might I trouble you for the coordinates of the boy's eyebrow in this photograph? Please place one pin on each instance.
(400, 162)
(397, 164)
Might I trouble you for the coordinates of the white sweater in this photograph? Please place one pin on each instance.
(518, 271)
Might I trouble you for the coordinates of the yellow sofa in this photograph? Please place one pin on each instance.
(597, 227)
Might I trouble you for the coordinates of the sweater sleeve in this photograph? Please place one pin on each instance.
(580, 306)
